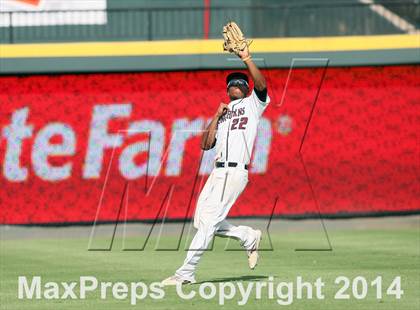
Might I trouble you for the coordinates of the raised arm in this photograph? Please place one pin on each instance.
(208, 139)
(257, 76)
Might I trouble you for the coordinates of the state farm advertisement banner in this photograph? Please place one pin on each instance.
(21, 13)
(80, 148)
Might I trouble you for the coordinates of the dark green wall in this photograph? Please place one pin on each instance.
(197, 62)
(181, 19)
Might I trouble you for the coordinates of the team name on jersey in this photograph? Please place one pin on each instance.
(234, 113)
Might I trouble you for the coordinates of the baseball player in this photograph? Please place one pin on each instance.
(232, 131)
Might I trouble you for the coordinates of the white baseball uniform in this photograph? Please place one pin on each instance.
(236, 132)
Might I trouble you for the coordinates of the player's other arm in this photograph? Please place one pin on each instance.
(208, 139)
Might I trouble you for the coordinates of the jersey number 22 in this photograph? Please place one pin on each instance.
(239, 123)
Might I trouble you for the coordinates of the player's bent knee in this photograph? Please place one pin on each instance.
(208, 228)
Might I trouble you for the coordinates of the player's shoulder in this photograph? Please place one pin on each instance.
(252, 97)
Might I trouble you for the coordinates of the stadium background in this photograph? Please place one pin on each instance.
(334, 175)
(340, 138)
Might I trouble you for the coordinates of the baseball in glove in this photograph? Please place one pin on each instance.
(235, 41)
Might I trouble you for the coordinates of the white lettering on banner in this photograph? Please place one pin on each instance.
(156, 133)
(182, 130)
(14, 134)
(99, 137)
(24, 13)
(20, 132)
(262, 146)
(42, 149)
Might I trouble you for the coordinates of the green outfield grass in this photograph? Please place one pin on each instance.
(367, 253)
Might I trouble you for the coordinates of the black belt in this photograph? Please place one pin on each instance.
(229, 164)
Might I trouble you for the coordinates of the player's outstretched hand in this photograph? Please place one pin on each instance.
(244, 54)
(223, 108)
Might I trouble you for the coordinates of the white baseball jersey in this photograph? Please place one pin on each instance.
(237, 129)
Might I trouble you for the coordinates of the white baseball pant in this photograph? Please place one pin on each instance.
(220, 192)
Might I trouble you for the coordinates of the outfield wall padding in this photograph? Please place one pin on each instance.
(77, 148)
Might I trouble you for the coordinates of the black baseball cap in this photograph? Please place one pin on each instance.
(236, 76)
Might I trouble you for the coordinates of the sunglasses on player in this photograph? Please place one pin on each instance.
(237, 83)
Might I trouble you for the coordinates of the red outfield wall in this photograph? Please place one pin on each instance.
(71, 144)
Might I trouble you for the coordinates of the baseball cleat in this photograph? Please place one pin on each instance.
(175, 280)
(253, 254)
